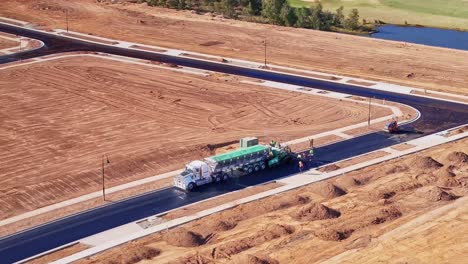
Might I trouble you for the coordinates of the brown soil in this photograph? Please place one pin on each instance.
(363, 158)
(426, 163)
(327, 190)
(183, 238)
(5, 43)
(302, 48)
(457, 131)
(434, 194)
(314, 212)
(458, 157)
(329, 168)
(148, 121)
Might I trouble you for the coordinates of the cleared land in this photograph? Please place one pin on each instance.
(329, 52)
(435, 13)
(350, 218)
(6, 44)
(59, 117)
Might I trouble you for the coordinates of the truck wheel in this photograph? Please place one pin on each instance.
(225, 177)
(218, 178)
(256, 168)
(190, 186)
(263, 166)
(249, 170)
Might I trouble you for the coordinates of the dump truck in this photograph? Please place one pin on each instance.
(392, 126)
(219, 168)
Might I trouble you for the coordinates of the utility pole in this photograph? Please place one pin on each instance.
(369, 115)
(103, 183)
(265, 42)
(66, 16)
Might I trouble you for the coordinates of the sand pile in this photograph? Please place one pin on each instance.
(444, 172)
(346, 182)
(225, 225)
(330, 234)
(458, 157)
(315, 211)
(260, 259)
(397, 169)
(425, 163)
(327, 190)
(387, 214)
(183, 238)
(236, 246)
(434, 194)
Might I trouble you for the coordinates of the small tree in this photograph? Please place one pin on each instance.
(302, 15)
(339, 17)
(316, 17)
(271, 9)
(288, 17)
(227, 8)
(352, 22)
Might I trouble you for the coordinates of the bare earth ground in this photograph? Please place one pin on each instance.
(5, 43)
(349, 214)
(59, 117)
(434, 68)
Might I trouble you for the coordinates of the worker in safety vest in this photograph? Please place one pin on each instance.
(273, 143)
(299, 156)
(311, 153)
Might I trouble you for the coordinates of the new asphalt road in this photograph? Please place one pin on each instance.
(436, 115)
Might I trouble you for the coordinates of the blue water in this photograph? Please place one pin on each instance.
(428, 36)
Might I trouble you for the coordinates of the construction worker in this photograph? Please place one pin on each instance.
(299, 157)
(311, 153)
(301, 166)
(273, 143)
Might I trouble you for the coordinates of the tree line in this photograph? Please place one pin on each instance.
(277, 12)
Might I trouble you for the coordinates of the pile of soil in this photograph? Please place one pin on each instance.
(397, 169)
(444, 172)
(458, 157)
(181, 237)
(314, 212)
(434, 194)
(261, 259)
(236, 246)
(329, 234)
(224, 225)
(346, 182)
(387, 214)
(425, 163)
(327, 190)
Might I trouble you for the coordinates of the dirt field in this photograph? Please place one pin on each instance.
(5, 43)
(346, 219)
(59, 117)
(329, 52)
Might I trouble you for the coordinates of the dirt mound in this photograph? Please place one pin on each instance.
(225, 225)
(444, 172)
(314, 212)
(434, 194)
(327, 190)
(334, 234)
(458, 157)
(136, 255)
(183, 238)
(328, 168)
(346, 182)
(260, 259)
(425, 163)
(387, 214)
(236, 246)
(397, 169)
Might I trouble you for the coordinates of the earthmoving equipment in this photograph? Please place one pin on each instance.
(220, 167)
(392, 126)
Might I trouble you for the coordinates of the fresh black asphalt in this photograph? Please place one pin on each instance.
(436, 115)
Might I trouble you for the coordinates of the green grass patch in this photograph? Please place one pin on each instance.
(434, 13)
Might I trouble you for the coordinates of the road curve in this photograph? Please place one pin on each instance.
(436, 115)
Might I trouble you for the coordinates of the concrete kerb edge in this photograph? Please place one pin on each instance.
(183, 220)
(47, 252)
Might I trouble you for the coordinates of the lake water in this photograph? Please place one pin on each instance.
(428, 36)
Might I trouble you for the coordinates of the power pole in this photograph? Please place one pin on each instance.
(265, 51)
(66, 15)
(103, 183)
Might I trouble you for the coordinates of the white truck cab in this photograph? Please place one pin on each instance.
(196, 173)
